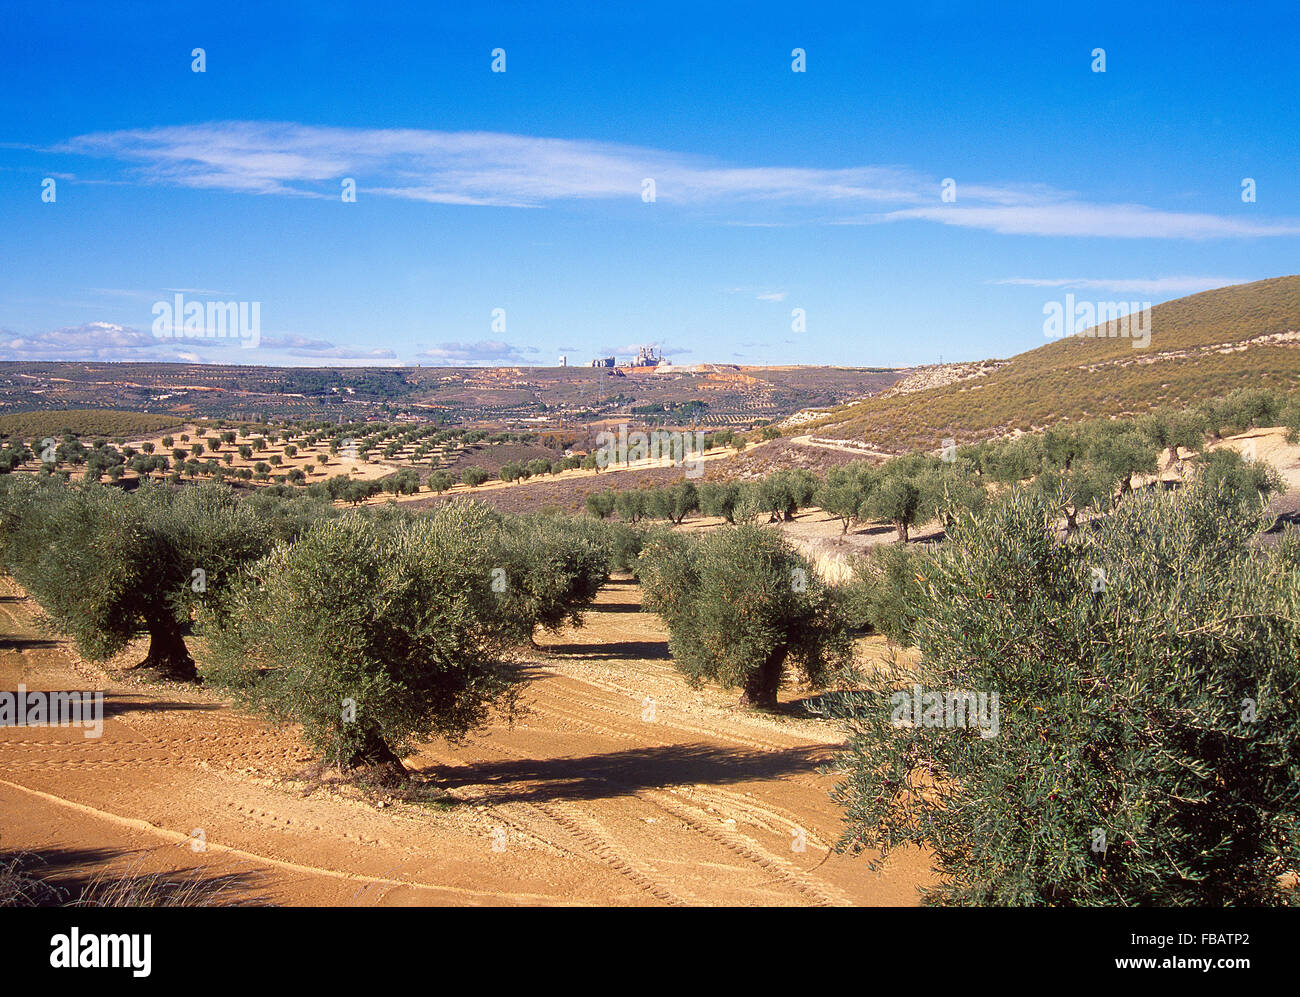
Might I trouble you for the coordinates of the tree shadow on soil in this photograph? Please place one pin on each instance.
(26, 643)
(656, 650)
(622, 773)
(118, 704)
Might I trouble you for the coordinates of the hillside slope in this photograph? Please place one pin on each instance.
(1201, 346)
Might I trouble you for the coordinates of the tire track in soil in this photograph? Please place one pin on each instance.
(822, 894)
(576, 697)
(586, 829)
(176, 837)
(593, 837)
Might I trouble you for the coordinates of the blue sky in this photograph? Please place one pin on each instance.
(522, 190)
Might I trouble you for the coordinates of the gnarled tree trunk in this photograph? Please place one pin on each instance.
(763, 684)
(374, 753)
(168, 655)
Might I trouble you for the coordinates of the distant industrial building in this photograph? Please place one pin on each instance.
(603, 362)
(648, 357)
(564, 361)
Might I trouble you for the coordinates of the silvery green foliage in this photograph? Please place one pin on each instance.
(105, 565)
(411, 618)
(1162, 709)
(402, 621)
(739, 603)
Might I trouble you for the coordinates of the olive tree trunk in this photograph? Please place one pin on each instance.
(764, 682)
(168, 654)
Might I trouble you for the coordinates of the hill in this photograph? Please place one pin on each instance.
(1201, 346)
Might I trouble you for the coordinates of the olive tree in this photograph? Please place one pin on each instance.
(845, 491)
(1122, 451)
(674, 502)
(719, 498)
(739, 604)
(105, 565)
(898, 499)
(549, 568)
(600, 504)
(1141, 722)
(373, 639)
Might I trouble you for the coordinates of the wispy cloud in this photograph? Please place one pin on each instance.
(1078, 218)
(303, 347)
(1139, 285)
(760, 294)
(89, 341)
(522, 171)
(109, 341)
(462, 168)
(484, 353)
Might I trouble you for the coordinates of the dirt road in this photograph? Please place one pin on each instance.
(620, 786)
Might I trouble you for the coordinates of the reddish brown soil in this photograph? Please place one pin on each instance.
(582, 801)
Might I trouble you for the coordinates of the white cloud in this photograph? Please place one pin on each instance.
(506, 170)
(1078, 218)
(301, 346)
(1139, 285)
(484, 353)
(463, 168)
(108, 341)
(89, 341)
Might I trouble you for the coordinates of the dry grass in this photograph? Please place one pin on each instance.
(26, 881)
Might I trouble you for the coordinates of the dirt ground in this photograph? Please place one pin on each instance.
(619, 786)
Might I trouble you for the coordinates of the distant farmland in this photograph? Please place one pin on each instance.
(82, 422)
(714, 396)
